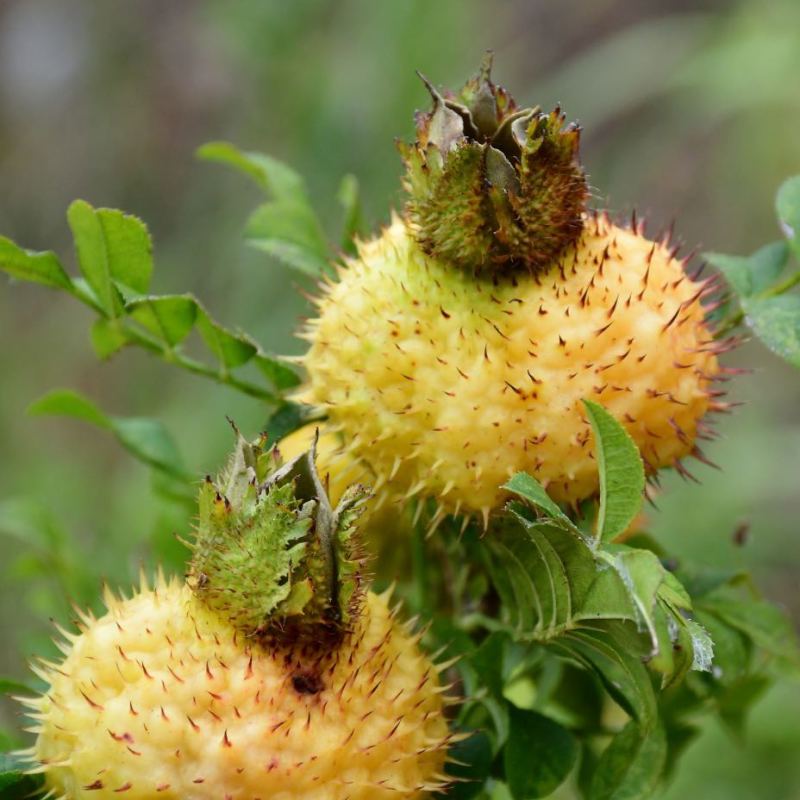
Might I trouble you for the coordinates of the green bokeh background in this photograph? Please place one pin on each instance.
(691, 112)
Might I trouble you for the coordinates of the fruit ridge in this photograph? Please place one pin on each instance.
(444, 384)
(160, 697)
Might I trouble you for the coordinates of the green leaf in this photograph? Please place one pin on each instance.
(776, 322)
(765, 624)
(66, 403)
(487, 661)
(642, 573)
(289, 231)
(731, 651)
(577, 699)
(14, 783)
(26, 265)
(529, 489)
(169, 317)
(787, 204)
(150, 442)
(11, 686)
(549, 580)
(678, 643)
(679, 735)
(350, 201)
(287, 418)
(113, 248)
(231, 349)
(614, 652)
(737, 699)
(146, 439)
(632, 765)
(553, 591)
(115, 257)
(556, 588)
(272, 176)
(85, 294)
(108, 337)
(129, 249)
(621, 473)
(287, 228)
(471, 761)
(277, 372)
(615, 611)
(703, 651)
(539, 754)
(751, 275)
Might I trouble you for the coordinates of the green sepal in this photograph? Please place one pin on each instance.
(271, 554)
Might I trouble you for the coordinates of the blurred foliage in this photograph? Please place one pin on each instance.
(689, 108)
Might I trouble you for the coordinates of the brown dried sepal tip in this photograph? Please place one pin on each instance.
(493, 187)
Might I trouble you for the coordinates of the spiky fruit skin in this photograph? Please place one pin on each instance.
(159, 698)
(445, 384)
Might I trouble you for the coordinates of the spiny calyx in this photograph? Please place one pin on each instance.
(272, 555)
(493, 187)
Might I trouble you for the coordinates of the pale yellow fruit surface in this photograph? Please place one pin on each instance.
(445, 384)
(160, 699)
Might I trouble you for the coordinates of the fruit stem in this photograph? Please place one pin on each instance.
(419, 561)
(173, 356)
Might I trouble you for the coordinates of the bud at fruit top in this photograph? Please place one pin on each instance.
(271, 553)
(335, 466)
(493, 187)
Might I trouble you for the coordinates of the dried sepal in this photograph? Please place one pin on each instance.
(491, 186)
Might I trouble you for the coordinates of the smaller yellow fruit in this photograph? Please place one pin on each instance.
(271, 672)
(161, 698)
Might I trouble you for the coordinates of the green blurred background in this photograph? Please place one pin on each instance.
(691, 112)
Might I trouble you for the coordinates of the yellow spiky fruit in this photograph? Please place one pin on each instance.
(161, 698)
(444, 383)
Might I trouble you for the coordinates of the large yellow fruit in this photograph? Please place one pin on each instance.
(445, 383)
(161, 698)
